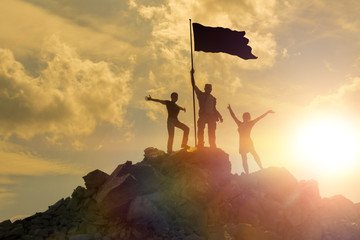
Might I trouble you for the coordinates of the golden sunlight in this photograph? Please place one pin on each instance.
(330, 145)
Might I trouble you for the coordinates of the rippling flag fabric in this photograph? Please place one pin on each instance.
(218, 39)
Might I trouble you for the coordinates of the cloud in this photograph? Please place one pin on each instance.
(6, 197)
(344, 100)
(235, 85)
(24, 26)
(321, 18)
(70, 97)
(168, 50)
(329, 66)
(284, 53)
(156, 32)
(20, 164)
(171, 32)
(4, 180)
(114, 19)
(26, 164)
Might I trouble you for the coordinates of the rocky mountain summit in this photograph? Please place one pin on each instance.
(191, 195)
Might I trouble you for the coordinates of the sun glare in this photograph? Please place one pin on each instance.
(329, 145)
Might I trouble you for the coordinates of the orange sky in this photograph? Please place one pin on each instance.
(74, 74)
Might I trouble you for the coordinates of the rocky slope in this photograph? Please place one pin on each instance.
(191, 196)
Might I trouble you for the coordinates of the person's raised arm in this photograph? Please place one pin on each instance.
(233, 115)
(149, 98)
(197, 90)
(262, 116)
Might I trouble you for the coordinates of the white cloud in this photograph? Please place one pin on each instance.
(70, 97)
(169, 48)
(285, 53)
(24, 26)
(329, 66)
(345, 100)
(235, 85)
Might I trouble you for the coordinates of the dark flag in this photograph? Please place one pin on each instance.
(217, 39)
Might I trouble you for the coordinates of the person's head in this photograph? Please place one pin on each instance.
(174, 97)
(208, 88)
(246, 116)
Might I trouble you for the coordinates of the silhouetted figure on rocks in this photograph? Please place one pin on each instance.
(208, 114)
(173, 111)
(246, 144)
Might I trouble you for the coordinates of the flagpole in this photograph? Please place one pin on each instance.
(193, 90)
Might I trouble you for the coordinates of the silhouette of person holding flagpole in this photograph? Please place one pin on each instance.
(246, 143)
(214, 40)
(173, 111)
(208, 114)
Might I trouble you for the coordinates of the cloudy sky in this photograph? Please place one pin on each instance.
(74, 74)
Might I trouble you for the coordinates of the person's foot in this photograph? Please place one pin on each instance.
(185, 146)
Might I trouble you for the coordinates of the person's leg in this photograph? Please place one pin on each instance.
(185, 134)
(257, 158)
(244, 162)
(171, 128)
(201, 127)
(211, 133)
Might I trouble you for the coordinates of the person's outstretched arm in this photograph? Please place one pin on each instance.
(233, 115)
(183, 109)
(262, 116)
(149, 98)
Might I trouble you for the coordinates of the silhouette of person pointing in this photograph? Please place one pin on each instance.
(246, 143)
(173, 111)
(208, 114)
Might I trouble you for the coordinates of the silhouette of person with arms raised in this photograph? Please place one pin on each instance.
(246, 144)
(208, 114)
(173, 111)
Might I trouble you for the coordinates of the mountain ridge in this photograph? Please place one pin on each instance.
(191, 195)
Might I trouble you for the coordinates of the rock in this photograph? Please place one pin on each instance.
(40, 232)
(276, 183)
(5, 224)
(5, 227)
(191, 195)
(116, 194)
(16, 231)
(80, 192)
(151, 152)
(193, 237)
(95, 179)
(248, 232)
(57, 205)
(73, 205)
(40, 221)
(29, 237)
(215, 160)
(143, 210)
(121, 170)
(82, 237)
(339, 207)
